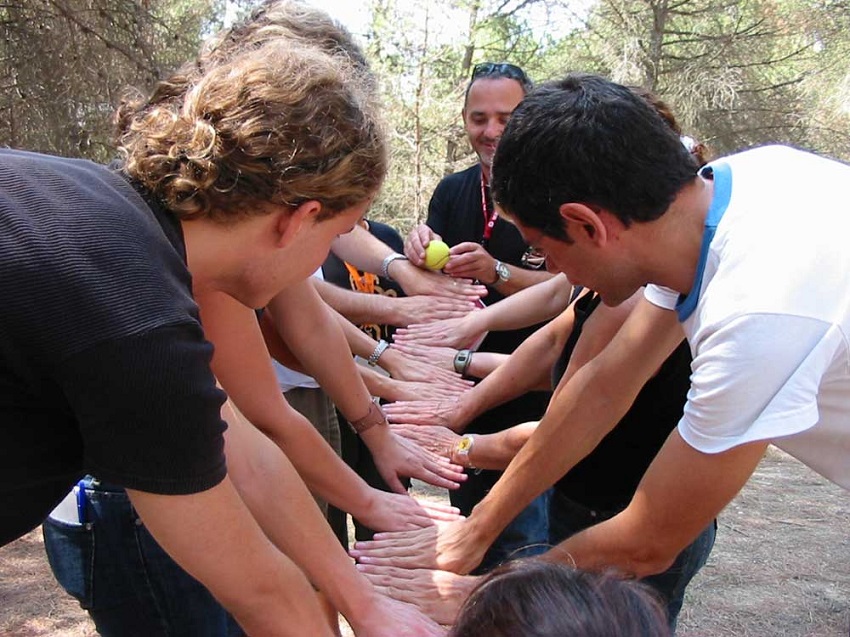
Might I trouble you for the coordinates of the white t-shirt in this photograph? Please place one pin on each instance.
(769, 331)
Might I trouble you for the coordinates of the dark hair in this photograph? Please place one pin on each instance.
(536, 598)
(498, 70)
(586, 139)
(699, 150)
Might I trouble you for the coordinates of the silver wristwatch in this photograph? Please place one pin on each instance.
(503, 273)
(385, 264)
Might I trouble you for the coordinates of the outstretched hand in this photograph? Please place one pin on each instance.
(396, 458)
(405, 367)
(456, 333)
(442, 357)
(441, 413)
(436, 439)
(447, 546)
(438, 594)
(388, 617)
(397, 512)
(422, 308)
(415, 281)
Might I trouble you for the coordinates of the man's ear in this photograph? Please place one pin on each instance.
(290, 224)
(580, 218)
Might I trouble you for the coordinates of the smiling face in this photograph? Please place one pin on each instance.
(489, 105)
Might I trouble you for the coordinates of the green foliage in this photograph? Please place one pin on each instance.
(737, 73)
(66, 63)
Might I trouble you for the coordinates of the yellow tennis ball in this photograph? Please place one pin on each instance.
(436, 255)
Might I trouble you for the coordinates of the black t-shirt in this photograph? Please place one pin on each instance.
(456, 214)
(607, 478)
(103, 364)
(334, 271)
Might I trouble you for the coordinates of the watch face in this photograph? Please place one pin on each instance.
(464, 444)
(502, 271)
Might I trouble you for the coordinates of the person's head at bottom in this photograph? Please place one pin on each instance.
(536, 598)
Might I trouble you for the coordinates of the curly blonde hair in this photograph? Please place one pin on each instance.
(273, 122)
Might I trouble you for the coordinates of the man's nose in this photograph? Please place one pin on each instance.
(494, 129)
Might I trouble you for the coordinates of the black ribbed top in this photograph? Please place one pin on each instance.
(103, 365)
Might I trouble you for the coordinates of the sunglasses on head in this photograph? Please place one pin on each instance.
(499, 69)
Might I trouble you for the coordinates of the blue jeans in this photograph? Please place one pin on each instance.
(130, 587)
(567, 517)
(526, 536)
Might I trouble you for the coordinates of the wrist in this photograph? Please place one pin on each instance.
(361, 604)
(387, 264)
(462, 360)
(483, 525)
(373, 418)
(463, 413)
(390, 361)
(377, 437)
(376, 354)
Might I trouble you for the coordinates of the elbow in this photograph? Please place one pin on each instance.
(651, 558)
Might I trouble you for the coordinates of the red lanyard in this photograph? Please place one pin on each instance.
(489, 218)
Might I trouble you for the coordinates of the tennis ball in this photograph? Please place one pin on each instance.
(436, 255)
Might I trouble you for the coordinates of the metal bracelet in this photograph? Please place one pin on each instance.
(385, 264)
(379, 349)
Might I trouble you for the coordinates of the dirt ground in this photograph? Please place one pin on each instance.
(781, 566)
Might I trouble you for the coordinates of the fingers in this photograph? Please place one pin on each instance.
(447, 476)
(415, 242)
(398, 549)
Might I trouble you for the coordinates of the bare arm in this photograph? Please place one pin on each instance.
(470, 260)
(313, 333)
(366, 252)
(214, 537)
(390, 310)
(287, 513)
(682, 491)
(242, 365)
(529, 306)
(584, 408)
(588, 403)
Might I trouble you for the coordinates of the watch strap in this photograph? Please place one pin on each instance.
(462, 359)
(385, 264)
(380, 348)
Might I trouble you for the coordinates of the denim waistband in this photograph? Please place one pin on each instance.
(95, 484)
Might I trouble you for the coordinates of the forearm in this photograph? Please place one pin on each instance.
(214, 537)
(355, 306)
(242, 365)
(681, 493)
(495, 451)
(360, 343)
(534, 304)
(521, 279)
(314, 335)
(482, 364)
(361, 249)
(527, 369)
(582, 411)
(290, 518)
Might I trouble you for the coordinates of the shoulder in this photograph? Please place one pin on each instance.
(460, 180)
